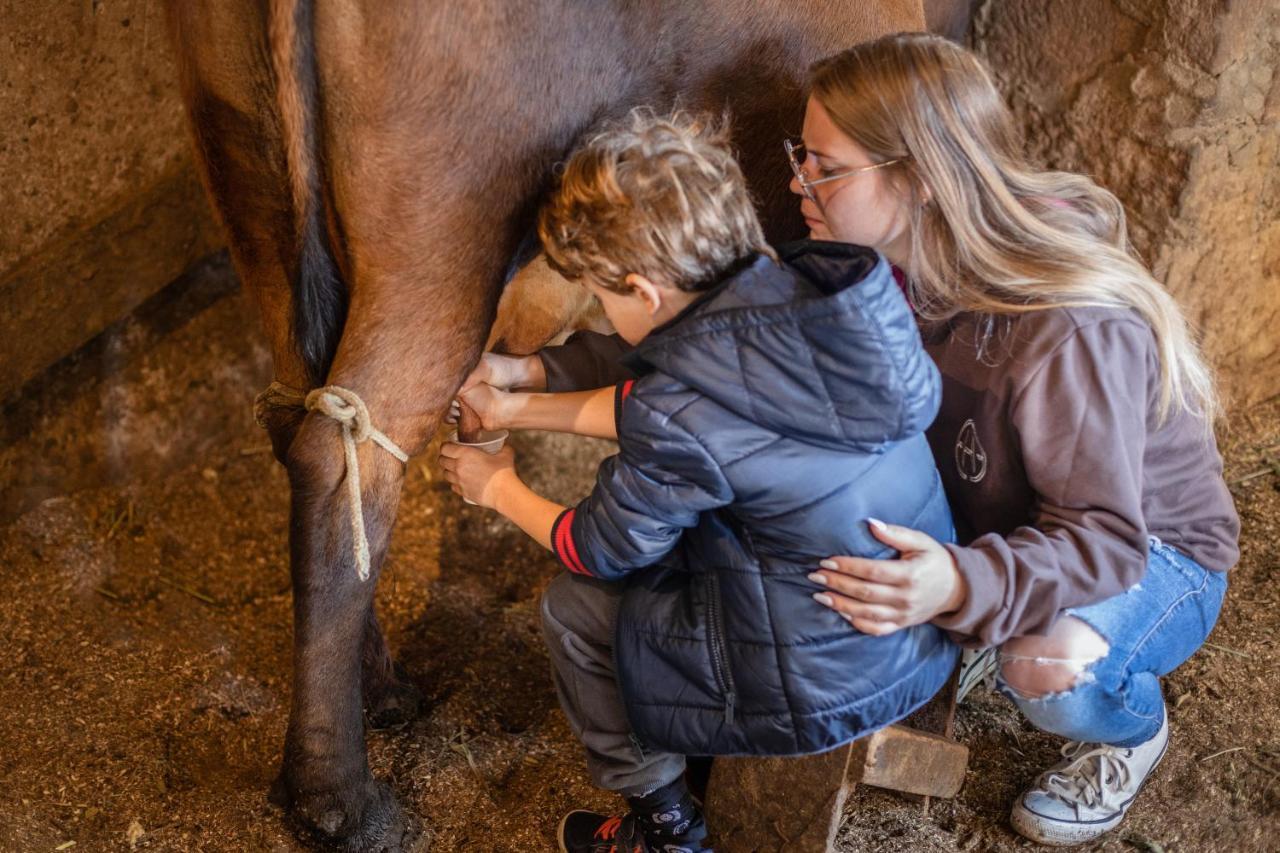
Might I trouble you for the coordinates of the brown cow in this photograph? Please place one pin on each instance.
(376, 166)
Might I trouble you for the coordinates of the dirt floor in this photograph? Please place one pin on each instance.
(146, 634)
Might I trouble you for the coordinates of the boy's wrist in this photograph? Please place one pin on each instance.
(508, 408)
(506, 484)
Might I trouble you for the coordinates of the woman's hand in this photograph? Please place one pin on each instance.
(476, 475)
(881, 596)
(507, 372)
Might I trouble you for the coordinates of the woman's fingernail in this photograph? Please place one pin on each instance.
(818, 579)
(829, 564)
(823, 599)
(846, 617)
(877, 523)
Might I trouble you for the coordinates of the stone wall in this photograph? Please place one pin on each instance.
(1174, 106)
(98, 194)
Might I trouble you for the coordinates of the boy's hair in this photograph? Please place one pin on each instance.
(661, 196)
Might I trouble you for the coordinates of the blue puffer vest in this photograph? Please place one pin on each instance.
(769, 421)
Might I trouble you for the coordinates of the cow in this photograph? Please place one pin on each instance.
(377, 167)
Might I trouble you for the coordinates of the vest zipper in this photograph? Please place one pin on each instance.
(719, 650)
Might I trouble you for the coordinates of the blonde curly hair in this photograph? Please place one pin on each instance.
(657, 195)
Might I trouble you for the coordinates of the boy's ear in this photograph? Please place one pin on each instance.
(646, 290)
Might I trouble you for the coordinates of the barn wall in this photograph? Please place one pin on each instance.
(1175, 106)
(98, 195)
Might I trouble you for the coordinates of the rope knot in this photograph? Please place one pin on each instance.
(344, 407)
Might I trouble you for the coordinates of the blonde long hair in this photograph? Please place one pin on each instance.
(990, 234)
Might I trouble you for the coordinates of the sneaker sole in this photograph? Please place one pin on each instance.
(1047, 831)
(560, 833)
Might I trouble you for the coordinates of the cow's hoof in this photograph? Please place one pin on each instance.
(393, 703)
(372, 824)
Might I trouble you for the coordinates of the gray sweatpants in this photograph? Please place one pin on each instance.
(578, 617)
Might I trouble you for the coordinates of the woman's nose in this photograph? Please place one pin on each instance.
(795, 187)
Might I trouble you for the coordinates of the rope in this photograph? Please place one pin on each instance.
(349, 410)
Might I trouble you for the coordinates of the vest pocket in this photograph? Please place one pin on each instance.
(718, 646)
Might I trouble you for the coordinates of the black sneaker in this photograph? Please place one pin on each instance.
(589, 832)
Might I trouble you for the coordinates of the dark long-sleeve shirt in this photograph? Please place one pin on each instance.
(1053, 457)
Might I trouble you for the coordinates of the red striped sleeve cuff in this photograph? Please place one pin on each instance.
(623, 390)
(562, 543)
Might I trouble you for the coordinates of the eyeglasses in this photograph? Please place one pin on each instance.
(797, 155)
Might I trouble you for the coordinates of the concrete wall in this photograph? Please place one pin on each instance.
(99, 199)
(1175, 107)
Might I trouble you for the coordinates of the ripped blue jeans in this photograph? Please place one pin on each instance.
(1151, 629)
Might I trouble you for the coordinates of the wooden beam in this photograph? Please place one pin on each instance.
(90, 276)
(772, 805)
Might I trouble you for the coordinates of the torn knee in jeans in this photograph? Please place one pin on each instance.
(1054, 664)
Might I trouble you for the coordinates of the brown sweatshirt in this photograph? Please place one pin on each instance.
(1053, 457)
(1058, 468)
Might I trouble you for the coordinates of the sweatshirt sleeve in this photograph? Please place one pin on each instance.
(644, 499)
(587, 360)
(1081, 421)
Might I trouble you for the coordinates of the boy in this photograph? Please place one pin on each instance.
(779, 406)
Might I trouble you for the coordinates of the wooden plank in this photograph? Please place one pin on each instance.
(911, 761)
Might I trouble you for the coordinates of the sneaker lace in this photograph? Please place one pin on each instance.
(1093, 776)
(623, 834)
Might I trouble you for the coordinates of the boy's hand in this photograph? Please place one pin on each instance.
(498, 373)
(491, 404)
(477, 476)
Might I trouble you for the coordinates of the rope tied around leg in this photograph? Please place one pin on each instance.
(345, 407)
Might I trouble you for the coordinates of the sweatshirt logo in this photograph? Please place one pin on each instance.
(971, 457)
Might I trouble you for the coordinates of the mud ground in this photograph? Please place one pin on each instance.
(145, 613)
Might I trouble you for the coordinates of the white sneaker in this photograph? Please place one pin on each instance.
(1089, 793)
(977, 667)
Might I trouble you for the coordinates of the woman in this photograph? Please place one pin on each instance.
(1075, 437)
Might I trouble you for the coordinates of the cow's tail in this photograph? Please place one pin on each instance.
(319, 293)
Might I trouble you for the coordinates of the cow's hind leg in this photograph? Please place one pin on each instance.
(240, 151)
(405, 348)
(390, 698)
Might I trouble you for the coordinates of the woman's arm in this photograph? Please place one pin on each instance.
(1081, 425)
(586, 360)
(510, 373)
